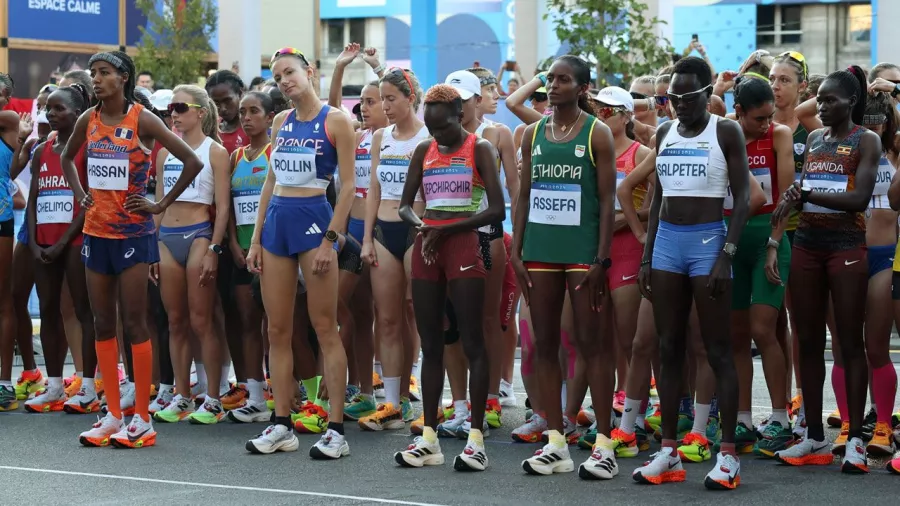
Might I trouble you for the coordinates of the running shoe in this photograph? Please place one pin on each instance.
(796, 403)
(530, 431)
(806, 452)
(653, 391)
(643, 441)
(773, 439)
(601, 465)
(685, 424)
(587, 440)
(549, 460)
(163, 397)
(236, 397)
(653, 416)
(418, 425)
(834, 419)
(82, 403)
(198, 391)
(799, 428)
(420, 453)
(451, 426)
(895, 420)
(267, 395)
(586, 417)
(377, 385)
(406, 409)
(841, 441)
(713, 430)
(209, 413)
(360, 407)
(350, 393)
(46, 401)
(126, 398)
(882, 443)
(472, 458)
(664, 468)
(694, 448)
(726, 475)
(466, 427)
(528, 411)
(507, 395)
(312, 419)
(276, 438)
(29, 382)
(449, 410)
(868, 426)
(138, 434)
(386, 417)
(414, 393)
(619, 402)
(570, 431)
(99, 387)
(492, 413)
(744, 438)
(854, 461)
(624, 445)
(250, 413)
(894, 466)
(73, 385)
(175, 411)
(102, 430)
(8, 401)
(330, 446)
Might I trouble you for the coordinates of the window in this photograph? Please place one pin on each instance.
(358, 31)
(859, 23)
(335, 33)
(778, 24)
(340, 32)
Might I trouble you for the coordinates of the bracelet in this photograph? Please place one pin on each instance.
(379, 69)
(645, 262)
(773, 243)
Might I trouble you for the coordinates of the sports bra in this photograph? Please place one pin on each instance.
(625, 164)
(764, 169)
(692, 167)
(304, 156)
(202, 188)
(393, 162)
(882, 182)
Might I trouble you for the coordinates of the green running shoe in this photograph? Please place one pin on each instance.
(8, 401)
(209, 413)
(744, 435)
(685, 424)
(409, 415)
(775, 438)
(587, 441)
(713, 430)
(694, 448)
(360, 407)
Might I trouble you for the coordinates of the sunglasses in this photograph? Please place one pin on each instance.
(181, 107)
(289, 51)
(607, 112)
(688, 97)
(402, 72)
(799, 58)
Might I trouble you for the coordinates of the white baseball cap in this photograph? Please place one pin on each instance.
(160, 99)
(616, 97)
(465, 82)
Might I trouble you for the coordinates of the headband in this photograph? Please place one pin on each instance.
(487, 81)
(874, 119)
(110, 58)
(757, 76)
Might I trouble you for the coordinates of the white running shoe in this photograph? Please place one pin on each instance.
(473, 458)
(806, 452)
(569, 428)
(82, 403)
(548, 460)
(530, 431)
(463, 431)
(664, 468)
(175, 411)
(330, 446)
(507, 395)
(726, 475)
(450, 427)
(126, 398)
(601, 465)
(163, 397)
(420, 453)
(276, 438)
(855, 457)
(250, 413)
(101, 431)
(46, 401)
(799, 428)
(138, 434)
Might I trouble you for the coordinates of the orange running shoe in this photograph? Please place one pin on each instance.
(841, 441)
(377, 385)
(385, 417)
(882, 443)
(138, 434)
(46, 401)
(73, 386)
(834, 419)
(235, 398)
(29, 382)
(796, 402)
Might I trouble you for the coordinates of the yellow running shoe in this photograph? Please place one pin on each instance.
(414, 393)
(834, 419)
(882, 443)
(312, 419)
(29, 382)
(841, 441)
(74, 387)
(385, 417)
(377, 385)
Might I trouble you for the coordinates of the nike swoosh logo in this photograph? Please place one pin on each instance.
(891, 259)
(847, 262)
(429, 162)
(188, 236)
(670, 144)
(814, 449)
(706, 241)
(463, 269)
(139, 436)
(673, 464)
(626, 278)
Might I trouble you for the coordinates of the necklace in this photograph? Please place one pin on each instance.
(564, 128)
(251, 153)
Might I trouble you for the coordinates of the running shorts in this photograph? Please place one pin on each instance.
(880, 258)
(295, 225)
(691, 250)
(113, 256)
(8, 228)
(178, 240)
(458, 256)
(350, 256)
(22, 236)
(751, 286)
(626, 253)
(830, 262)
(895, 285)
(548, 267)
(395, 236)
(356, 228)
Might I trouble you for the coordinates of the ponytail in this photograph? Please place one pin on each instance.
(859, 109)
(210, 121)
(629, 130)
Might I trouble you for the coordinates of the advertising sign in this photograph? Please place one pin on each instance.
(84, 21)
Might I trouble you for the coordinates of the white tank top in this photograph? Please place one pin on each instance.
(692, 167)
(202, 188)
(393, 162)
(882, 182)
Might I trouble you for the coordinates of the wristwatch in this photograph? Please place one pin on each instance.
(895, 91)
(804, 194)
(729, 249)
(606, 263)
(331, 235)
(215, 248)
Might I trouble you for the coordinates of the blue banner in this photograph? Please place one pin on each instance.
(85, 21)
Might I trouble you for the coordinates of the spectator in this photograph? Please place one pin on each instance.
(145, 79)
(257, 83)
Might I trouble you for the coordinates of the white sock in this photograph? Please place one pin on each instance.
(201, 375)
(460, 407)
(744, 417)
(415, 370)
(165, 388)
(226, 372)
(6, 383)
(377, 368)
(88, 385)
(701, 415)
(392, 390)
(255, 389)
(639, 421)
(55, 384)
(780, 416)
(79, 374)
(629, 415)
(564, 396)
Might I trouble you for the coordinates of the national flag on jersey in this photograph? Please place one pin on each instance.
(124, 133)
(843, 150)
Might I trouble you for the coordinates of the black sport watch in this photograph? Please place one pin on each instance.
(606, 263)
(331, 236)
(215, 248)
(896, 91)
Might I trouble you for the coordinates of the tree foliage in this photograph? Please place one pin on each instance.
(615, 35)
(175, 42)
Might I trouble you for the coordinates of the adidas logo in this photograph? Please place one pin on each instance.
(313, 229)
(287, 127)
(536, 151)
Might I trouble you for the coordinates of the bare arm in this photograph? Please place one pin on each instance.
(31, 208)
(808, 115)
(784, 156)
(521, 216)
(160, 182)
(605, 160)
(515, 102)
(735, 149)
(344, 139)
(21, 159)
(644, 171)
(373, 197)
(656, 203)
(67, 158)
(413, 183)
(221, 166)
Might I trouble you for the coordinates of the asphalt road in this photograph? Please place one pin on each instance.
(42, 463)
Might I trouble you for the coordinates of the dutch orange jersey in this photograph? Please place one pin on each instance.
(118, 166)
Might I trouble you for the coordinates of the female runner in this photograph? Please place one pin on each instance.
(189, 248)
(569, 194)
(387, 240)
(119, 243)
(296, 225)
(829, 255)
(457, 171)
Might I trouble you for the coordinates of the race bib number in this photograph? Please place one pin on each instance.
(826, 183)
(555, 204)
(363, 169)
(392, 177)
(763, 176)
(171, 173)
(246, 205)
(107, 171)
(883, 177)
(448, 187)
(55, 206)
(683, 169)
(620, 176)
(294, 166)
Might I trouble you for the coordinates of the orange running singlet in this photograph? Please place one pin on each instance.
(118, 165)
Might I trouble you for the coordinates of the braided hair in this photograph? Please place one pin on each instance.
(77, 97)
(124, 65)
(7, 85)
(853, 82)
